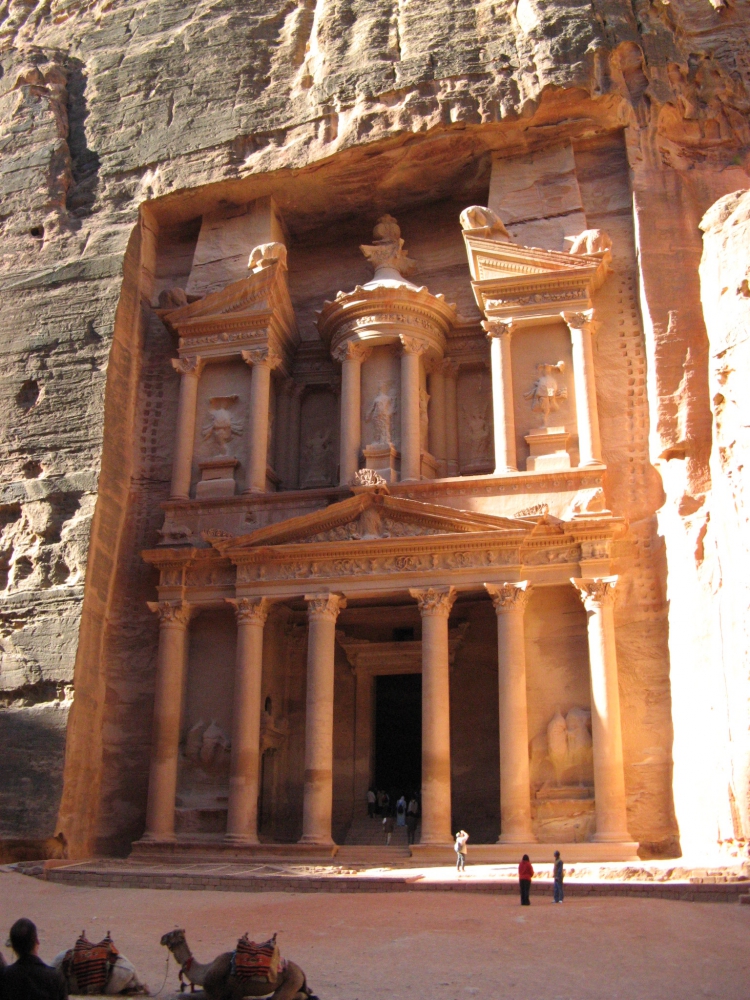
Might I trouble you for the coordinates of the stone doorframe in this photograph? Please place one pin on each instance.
(369, 660)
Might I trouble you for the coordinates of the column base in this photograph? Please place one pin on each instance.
(179, 496)
(590, 463)
(313, 841)
(253, 489)
(506, 470)
(241, 840)
(159, 838)
(516, 838)
(623, 837)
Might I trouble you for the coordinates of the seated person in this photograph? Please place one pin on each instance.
(29, 978)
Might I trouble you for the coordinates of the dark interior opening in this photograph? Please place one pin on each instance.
(398, 734)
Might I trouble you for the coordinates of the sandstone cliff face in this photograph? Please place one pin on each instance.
(117, 122)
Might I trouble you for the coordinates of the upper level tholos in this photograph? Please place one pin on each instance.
(393, 377)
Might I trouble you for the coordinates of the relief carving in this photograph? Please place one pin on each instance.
(387, 253)
(380, 415)
(424, 399)
(221, 425)
(207, 752)
(267, 254)
(562, 759)
(545, 392)
(590, 241)
(367, 477)
(318, 460)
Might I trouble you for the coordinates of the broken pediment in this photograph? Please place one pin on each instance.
(527, 283)
(370, 516)
(255, 308)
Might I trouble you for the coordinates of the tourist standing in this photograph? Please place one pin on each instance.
(412, 812)
(525, 875)
(388, 825)
(371, 802)
(460, 848)
(401, 811)
(29, 977)
(558, 872)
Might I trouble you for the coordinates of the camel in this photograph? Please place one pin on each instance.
(219, 983)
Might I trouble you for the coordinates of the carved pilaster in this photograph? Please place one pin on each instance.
(499, 335)
(582, 327)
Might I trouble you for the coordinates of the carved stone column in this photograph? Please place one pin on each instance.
(165, 739)
(450, 373)
(435, 606)
(242, 818)
(350, 355)
(295, 406)
(283, 414)
(263, 361)
(598, 596)
(499, 335)
(510, 600)
(582, 327)
(190, 371)
(322, 612)
(437, 415)
(411, 458)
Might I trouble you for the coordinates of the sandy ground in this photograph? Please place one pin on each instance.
(421, 947)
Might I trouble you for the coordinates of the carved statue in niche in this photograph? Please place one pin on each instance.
(380, 415)
(424, 399)
(475, 416)
(207, 753)
(562, 756)
(545, 392)
(318, 458)
(221, 425)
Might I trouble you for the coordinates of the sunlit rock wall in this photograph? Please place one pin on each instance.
(106, 107)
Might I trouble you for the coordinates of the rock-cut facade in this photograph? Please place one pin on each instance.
(351, 343)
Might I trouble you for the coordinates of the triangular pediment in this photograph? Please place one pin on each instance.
(496, 259)
(263, 294)
(368, 517)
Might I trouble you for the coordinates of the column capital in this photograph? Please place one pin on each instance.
(579, 320)
(412, 345)
(172, 614)
(325, 606)
(250, 610)
(596, 592)
(262, 356)
(434, 366)
(497, 328)
(450, 367)
(434, 600)
(351, 350)
(509, 597)
(192, 365)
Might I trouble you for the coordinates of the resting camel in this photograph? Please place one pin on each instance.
(219, 984)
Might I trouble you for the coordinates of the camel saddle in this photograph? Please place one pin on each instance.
(260, 962)
(87, 966)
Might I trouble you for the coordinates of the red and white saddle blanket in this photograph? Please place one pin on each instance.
(261, 962)
(87, 966)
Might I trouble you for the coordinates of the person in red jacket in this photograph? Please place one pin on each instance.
(525, 875)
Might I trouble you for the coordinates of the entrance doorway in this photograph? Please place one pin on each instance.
(398, 734)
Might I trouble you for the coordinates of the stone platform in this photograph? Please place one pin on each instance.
(645, 881)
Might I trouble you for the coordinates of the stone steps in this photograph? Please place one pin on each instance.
(369, 832)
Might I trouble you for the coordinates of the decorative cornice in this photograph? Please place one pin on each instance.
(596, 592)
(434, 600)
(509, 597)
(324, 606)
(250, 610)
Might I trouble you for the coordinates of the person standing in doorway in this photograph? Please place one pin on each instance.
(558, 873)
(401, 811)
(388, 825)
(412, 813)
(460, 848)
(371, 802)
(525, 875)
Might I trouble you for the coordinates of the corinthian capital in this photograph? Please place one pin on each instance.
(434, 600)
(188, 366)
(250, 610)
(412, 345)
(496, 328)
(325, 606)
(351, 350)
(596, 592)
(580, 320)
(509, 596)
(172, 614)
(450, 367)
(261, 356)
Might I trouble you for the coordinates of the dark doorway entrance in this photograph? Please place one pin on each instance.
(398, 734)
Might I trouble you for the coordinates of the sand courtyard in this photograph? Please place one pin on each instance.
(432, 946)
